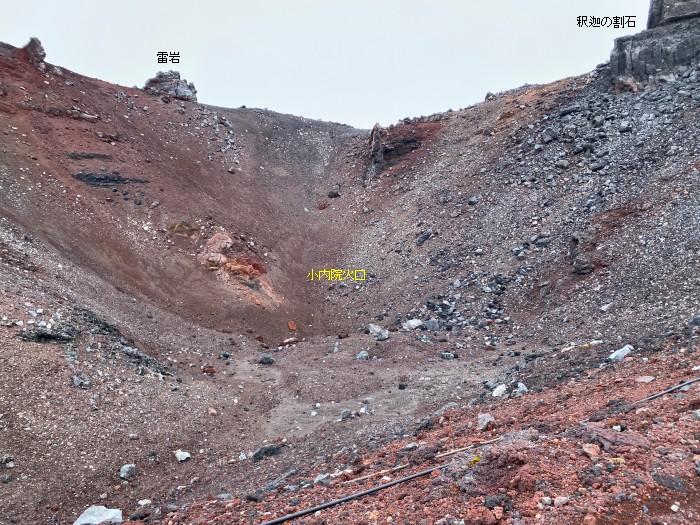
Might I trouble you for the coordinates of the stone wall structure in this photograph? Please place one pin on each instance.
(672, 39)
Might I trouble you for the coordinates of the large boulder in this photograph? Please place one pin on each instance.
(671, 40)
(657, 51)
(663, 12)
(169, 83)
(35, 53)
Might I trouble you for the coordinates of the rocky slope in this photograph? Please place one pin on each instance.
(153, 248)
(580, 452)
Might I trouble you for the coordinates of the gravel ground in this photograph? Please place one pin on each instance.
(579, 452)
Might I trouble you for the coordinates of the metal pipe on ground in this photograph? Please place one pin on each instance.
(353, 496)
(428, 471)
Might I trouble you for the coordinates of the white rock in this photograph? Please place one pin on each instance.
(144, 502)
(499, 391)
(412, 324)
(182, 455)
(99, 514)
(321, 477)
(363, 355)
(560, 500)
(620, 354)
(374, 328)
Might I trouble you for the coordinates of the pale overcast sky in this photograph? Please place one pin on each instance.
(351, 61)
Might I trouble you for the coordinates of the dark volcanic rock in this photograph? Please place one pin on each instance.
(137, 358)
(81, 382)
(98, 180)
(271, 449)
(266, 359)
(256, 496)
(35, 53)
(168, 83)
(376, 156)
(385, 151)
(399, 147)
(59, 334)
(662, 12)
(657, 50)
(422, 454)
(80, 155)
(670, 482)
(498, 500)
(424, 236)
(582, 249)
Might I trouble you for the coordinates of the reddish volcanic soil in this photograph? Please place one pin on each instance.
(581, 452)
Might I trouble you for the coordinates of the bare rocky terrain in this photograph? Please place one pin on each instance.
(156, 299)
